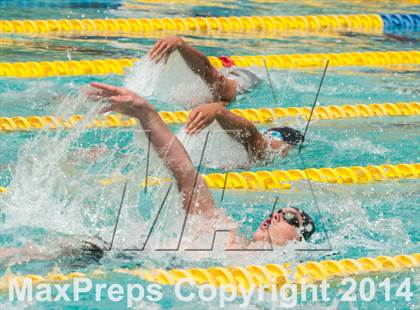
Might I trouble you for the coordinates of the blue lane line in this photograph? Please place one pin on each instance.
(97, 4)
(408, 22)
(392, 22)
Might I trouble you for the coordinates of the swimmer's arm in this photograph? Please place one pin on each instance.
(242, 130)
(202, 116)
(28, 252)
(165, 143)
(196, 60)
(176, 158)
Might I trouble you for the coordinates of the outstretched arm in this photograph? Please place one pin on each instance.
(196, 60)
(236, 126)
(169, 148)
(25, 253)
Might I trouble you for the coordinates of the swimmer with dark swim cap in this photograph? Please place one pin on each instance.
(287, 134)
(225, 85)
(275, 142)
(288, 224)
(285, 225)
(280, 226)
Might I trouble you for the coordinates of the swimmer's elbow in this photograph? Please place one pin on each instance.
(256, 145)
(185, 180)
(181, 169)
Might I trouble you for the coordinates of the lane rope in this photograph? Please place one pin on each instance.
(277, 179)
(407, 22)
(62, 4)
(355, 22)
(118, 66)
(262, 115)
(282, 179)
(358, 22)
(245, 277)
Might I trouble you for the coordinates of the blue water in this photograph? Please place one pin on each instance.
(355, 220)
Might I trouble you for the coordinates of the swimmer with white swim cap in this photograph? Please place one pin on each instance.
(225, 84)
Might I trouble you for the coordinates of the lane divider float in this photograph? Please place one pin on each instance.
(118, 66)
(356, 22)
(282, 179)
(262, 115)
(279, 274)
(60, 5)
(277, 179)
(269, 275)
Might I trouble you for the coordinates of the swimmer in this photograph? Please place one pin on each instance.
(282, 226)
(225, 84)
(274, 142)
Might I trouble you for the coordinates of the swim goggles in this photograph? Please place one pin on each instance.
(290, 218)
(274, 134)
(306, 229)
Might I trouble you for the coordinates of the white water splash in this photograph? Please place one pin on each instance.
(53, 186)
(173, 82)
(221, 150)
(37, 95)
(363, 146)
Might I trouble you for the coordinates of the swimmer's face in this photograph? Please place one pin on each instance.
(277, 229)
(278, 145)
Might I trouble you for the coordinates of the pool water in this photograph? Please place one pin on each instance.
(55, 181)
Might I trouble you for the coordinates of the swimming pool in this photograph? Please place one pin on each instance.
(55, 182)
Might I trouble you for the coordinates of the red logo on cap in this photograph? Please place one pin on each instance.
(226, 61)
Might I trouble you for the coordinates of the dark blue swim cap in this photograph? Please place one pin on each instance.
(289, 135)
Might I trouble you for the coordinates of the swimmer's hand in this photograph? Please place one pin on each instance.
(201, 117)
(164, 48)
(121, 99)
